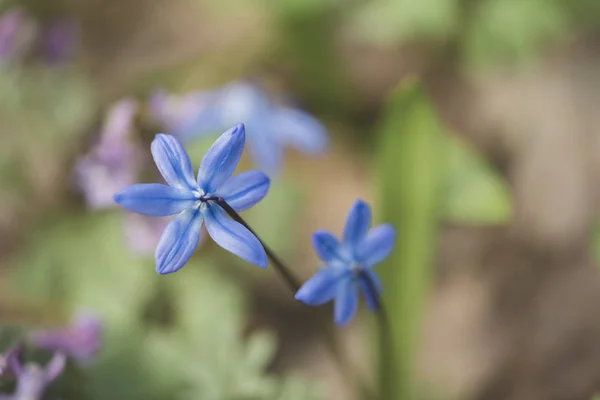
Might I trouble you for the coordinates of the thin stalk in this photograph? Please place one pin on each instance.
(385, 333)
(290, 279)
(293, 284)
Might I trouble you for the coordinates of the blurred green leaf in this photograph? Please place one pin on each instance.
(82, 261)
(473, 191)
(294, 388)
(409, 168)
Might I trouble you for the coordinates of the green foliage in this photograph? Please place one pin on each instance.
(388, 22)
(177, 336)
(488, 32)
(409, 172)
(512, 30)
(41, 113)
(473, 192)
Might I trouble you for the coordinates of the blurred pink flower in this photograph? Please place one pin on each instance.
(80, 341)
(17, 32)
(114, 162)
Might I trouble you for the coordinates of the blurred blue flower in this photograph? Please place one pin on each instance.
(195, 200)
(348, 265)
(80, 341)
(32, 379)
(114, 162)
(270, 127)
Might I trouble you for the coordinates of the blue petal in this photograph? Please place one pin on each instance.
(322, 287)
(173, 162)
(155, 199)
(178, 241)
(299, 130)
(377, 245)
(244, 190)
(327, 246)
(358, 222)
(233, 236)
(346, 301)
(207, 120)
(266, 153)
(370, 299)
(220, 160)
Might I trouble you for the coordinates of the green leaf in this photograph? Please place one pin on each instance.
(260, 350)
(473, 192)
(409, 187)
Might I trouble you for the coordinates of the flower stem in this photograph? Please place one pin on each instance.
(385, 333)
(290, 279)
(293, 284)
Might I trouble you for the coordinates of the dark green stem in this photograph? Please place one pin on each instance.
(290, 279)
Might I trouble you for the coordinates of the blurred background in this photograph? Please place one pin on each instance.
(471, 125)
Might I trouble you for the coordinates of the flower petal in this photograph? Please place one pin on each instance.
(299, 130)
(377, 245)
(55, 366)
(367, 289)
(322, 287)
(178, 241)
(233, 236)
(327, 246)
(358, 222)
(220, 160)
(155, 199)
(173, 162)
(119, 121)
(346, 301)
(266, 153)
(244, 190)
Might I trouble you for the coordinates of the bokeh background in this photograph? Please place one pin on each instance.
(471, 125)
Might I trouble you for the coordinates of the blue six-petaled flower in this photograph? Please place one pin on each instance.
(271, 127)
(348, 265)
(194, 201)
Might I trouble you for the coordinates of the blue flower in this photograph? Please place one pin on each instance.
(194, 201)
(348, 265)
(270, 127)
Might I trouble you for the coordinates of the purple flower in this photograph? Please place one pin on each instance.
(16, 33)
(270, 127)
(114, 162)
(349, 264)
(194, 201)
(32, 379)
(80, 341)
(58, 40)
(10, 358)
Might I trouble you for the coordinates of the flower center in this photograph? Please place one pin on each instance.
(356, 268)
